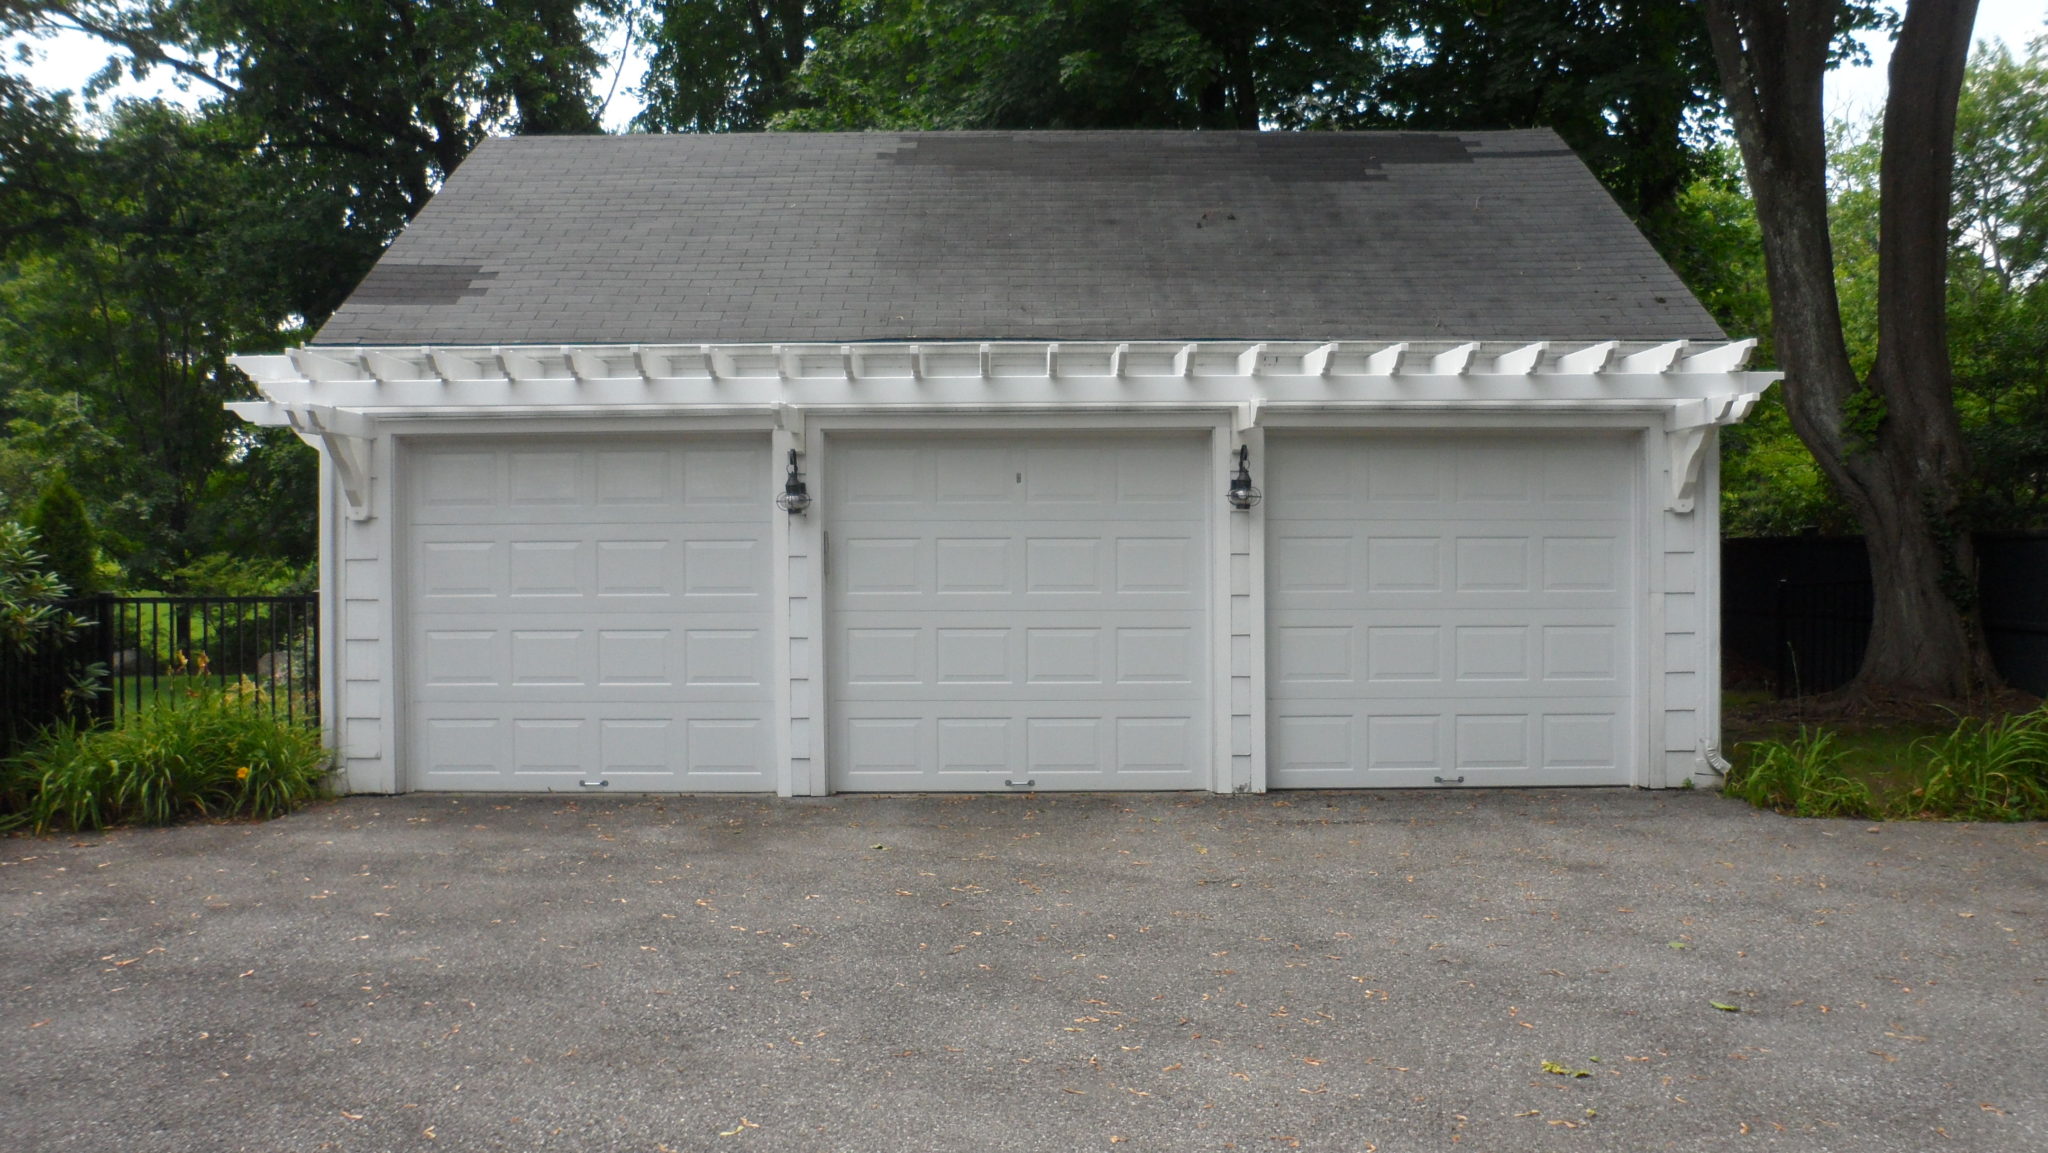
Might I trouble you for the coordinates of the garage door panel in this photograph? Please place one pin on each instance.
(595, 609)
(1472, 619)
(1348, 564)
(1019, 608)
(564, 651)
(1410, 744)
(1119, 566)
(554, 744)
(976, 747)
(475, 567)
(1145, 655)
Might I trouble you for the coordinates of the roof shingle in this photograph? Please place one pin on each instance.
(991, 236)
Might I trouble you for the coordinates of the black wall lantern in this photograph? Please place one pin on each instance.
(1242, 494)
(794, 498)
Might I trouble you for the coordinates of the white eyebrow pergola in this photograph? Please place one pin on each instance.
(336, 395)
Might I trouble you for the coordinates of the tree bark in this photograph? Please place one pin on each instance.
(1891, 444)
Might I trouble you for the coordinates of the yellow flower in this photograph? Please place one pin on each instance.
(242, 774)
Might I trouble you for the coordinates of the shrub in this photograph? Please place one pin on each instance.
(203, 752)
(44, 678)
(1984, 770)
(65, 531)
(1802, 777)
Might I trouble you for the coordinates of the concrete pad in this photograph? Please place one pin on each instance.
(1347, 972)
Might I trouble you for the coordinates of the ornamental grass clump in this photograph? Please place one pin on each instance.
(1983, 771)
(1802, 777)
(203, 752)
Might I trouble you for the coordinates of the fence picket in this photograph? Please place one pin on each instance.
(151, 646)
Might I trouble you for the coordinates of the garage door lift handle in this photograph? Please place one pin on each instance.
(1459, 780)
(1027, 783)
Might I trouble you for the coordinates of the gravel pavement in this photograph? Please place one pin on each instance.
(1349, 972)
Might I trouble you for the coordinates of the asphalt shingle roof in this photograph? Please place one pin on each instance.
(990, 236)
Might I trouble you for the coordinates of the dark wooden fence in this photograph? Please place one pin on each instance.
(1795, 611)
(141, 650)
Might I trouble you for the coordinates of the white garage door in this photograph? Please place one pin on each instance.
(589, 610)
(1450, 609)
(1019, 613)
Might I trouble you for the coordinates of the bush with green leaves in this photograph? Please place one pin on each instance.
(203, 752)
(64, 530)
(28, 619)
(46, 678)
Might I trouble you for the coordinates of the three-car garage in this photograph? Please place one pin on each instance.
(808, 463)
(1007, 612)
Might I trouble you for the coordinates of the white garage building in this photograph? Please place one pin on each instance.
(1018, 374)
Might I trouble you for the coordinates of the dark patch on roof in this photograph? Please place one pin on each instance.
(991, 236)
(1192, 157)
(392, 282)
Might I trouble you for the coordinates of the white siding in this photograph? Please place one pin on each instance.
(362, 636)
(1687, 604)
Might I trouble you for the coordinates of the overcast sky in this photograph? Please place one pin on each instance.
(66, 62)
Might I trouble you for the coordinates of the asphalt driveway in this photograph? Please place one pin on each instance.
(1163, 972)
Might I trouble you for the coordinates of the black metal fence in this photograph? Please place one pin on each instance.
(1795, 611)
(138, 651)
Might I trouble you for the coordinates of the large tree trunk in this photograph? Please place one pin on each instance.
(1891, 444)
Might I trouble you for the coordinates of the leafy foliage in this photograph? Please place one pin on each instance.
(1013, 64)
(125, 317)
(1981, 770)
(1998, 284)
(1802, 777)
(237, 575)
(1985, 770)
(66, 534)
(1997, 310)
(139, 249)
(1624, 83)
(28, 621)
(724, 66)
(42, 678)
(211, 753)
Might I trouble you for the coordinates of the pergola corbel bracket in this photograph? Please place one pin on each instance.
(1686, 428)
(790, 419)
(349, 441)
